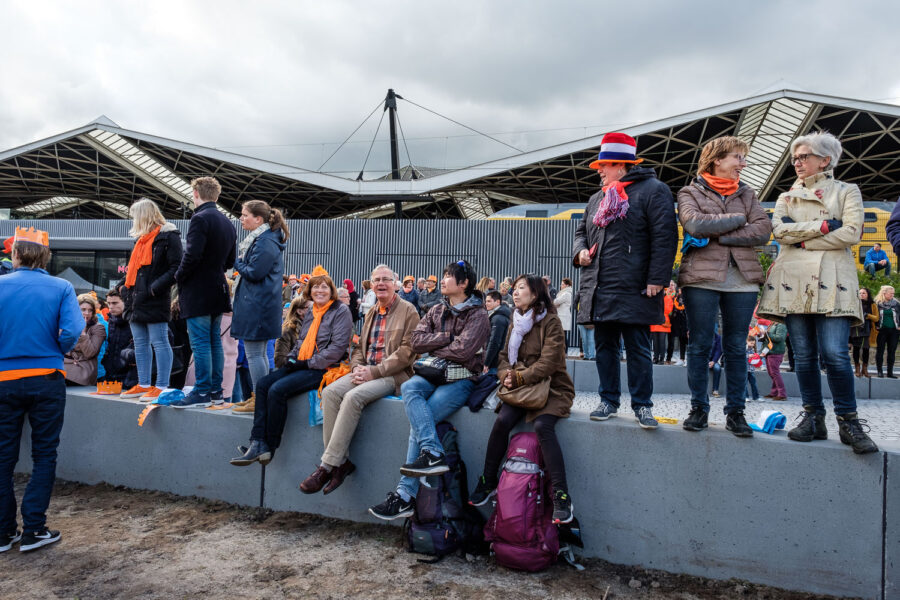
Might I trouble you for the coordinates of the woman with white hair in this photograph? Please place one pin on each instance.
(146, 292)
(812, 286)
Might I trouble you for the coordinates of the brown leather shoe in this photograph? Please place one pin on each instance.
(314, 482)
(337, 476)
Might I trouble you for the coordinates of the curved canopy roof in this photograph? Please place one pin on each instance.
(98, 170)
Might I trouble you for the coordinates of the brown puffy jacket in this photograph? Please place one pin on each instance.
(733, 225)
(456, 334)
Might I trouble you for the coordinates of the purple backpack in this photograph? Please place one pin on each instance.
(521, 531)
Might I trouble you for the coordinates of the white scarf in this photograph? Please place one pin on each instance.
(522, 324)
(245, 245)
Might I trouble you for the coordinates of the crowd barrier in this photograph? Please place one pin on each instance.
(811, 517)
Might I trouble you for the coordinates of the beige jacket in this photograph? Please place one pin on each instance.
(819, 278)
(402, 319)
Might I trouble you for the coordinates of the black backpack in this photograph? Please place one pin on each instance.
(444, 522)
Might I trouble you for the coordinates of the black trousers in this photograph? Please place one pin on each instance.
(670, 346)
(887, 340)
(659, 346)
(544, 427)
(860, 347)
(272, 394)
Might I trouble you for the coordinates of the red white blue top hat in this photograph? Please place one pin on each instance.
(617, 148)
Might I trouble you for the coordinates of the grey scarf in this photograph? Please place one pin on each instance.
(245, 245)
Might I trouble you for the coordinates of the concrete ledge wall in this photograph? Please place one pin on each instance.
(812, 517)
(670, 379)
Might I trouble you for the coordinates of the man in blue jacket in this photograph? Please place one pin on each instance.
(877, 259)
(32, 382)
(203, 293)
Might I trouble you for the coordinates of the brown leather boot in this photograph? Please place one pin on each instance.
(857, 370)
(337, 476)
(316, 480)
(864, 371)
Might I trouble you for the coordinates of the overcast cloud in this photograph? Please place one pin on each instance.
(288, 80)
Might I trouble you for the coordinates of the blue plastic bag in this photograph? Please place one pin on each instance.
(315, 408)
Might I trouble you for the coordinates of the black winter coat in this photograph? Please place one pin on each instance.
(150, 300)
(634, 252)
(119, 367)
(209, 252)
(257, 300)
(499, 324)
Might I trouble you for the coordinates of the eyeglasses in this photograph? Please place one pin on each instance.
(802, 158)
(382, 279)
(740, 157)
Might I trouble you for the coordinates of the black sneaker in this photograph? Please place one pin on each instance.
(216, 398)
(737, 424)
(8, 539)
(853, 432)
(697, 420)
(811, 427)
(393, 507)
(483, 492)
(192, 400)
(36, 539)
(604, 411)
(426, 464)
(645, 418)
(562, 507)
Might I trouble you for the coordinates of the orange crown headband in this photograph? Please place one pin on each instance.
(32, 236)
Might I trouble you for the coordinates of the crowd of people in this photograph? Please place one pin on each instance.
(223, 318)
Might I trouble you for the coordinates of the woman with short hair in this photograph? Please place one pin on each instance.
(146, 292)
(257, 290)
(321, 344)
(723, 221)
(535, 350)
(812, 286)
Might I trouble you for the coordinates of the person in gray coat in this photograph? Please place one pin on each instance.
(257, 296)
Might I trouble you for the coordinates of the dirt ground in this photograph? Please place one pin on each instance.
(121, 543)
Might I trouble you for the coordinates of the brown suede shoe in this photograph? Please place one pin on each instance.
(337, 476)
(314, 482)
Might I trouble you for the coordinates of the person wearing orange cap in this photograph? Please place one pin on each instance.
(32, 382)
(408, 291)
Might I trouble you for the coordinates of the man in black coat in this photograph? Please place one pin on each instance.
(118, 361)
(893, 228)
(203, 293)
(500, 316)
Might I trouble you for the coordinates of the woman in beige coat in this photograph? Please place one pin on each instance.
(812, 286)
(535, 350)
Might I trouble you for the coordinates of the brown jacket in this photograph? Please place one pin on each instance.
(734, 226)
(80, 364)
(455, 334)
(402, 319)
(543, 354)
(284, 344)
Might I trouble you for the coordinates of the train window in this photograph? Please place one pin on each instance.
(89, 270)
(871, 217)
(870, 230)
(535, 214)
(576, 216)
(862, 254)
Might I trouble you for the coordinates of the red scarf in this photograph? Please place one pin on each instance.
(141, 256)
(722, 185)
(614, 204)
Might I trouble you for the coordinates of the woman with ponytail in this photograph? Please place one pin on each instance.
(722, 221)
(257, 296)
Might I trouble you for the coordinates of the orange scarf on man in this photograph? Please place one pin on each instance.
(308, 347)
(722, 185)
(141, 256)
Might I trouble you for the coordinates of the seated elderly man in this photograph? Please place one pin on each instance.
(379, 364)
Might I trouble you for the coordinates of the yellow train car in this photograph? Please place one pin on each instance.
(876, 218)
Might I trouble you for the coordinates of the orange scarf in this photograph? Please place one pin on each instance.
(308, 347)
(722, 185)
(141, 256)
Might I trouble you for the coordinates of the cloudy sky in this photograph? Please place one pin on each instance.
(288, 81)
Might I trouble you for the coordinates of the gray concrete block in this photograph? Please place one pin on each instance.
(586, 378)
(883, 388)
(892, 525)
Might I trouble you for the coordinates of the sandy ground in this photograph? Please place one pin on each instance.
(121, 543)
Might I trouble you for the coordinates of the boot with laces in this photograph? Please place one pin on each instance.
(811, 426)
(853, 432)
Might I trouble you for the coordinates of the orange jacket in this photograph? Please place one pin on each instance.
(668, 302)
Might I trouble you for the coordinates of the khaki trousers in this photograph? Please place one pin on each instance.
(342, 405)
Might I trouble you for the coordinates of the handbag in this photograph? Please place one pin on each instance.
(440, 371)
(529, 397)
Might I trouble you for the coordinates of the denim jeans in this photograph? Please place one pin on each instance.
(872, 267)
(750, 388)
(717, 375)
(815, 334)
(272, 394)
(156, 335)
(426, 405)
(257, 360)
(587, 342)
(701, 307)
(209, 358)
(640, 367)
(43, 398)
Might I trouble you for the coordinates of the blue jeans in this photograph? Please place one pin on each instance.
(717, 375)
(872, 267)
(156, 335)
(639, 365)
(209, 359)
(750, 389)
(44, 399)
(587, 342)
(701, 307)
(810, 336)
(257, 360)
(426, 405)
